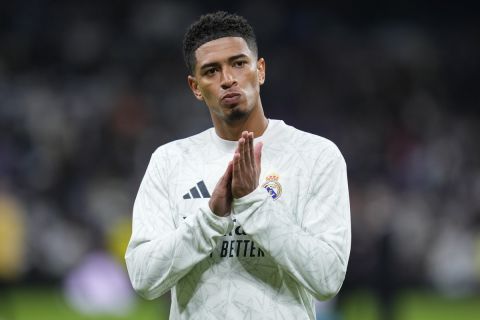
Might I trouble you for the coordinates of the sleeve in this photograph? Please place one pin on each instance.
(159, 254)
(314, 249)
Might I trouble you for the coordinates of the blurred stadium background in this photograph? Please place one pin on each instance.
(88, 90)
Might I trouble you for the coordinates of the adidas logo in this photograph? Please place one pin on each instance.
(195, 194)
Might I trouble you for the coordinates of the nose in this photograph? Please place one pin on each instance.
(228, 80)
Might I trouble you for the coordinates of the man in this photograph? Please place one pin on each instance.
(249, 219)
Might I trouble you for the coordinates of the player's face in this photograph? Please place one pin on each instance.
(227, 78)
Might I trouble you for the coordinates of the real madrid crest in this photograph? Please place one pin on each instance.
(273, 187)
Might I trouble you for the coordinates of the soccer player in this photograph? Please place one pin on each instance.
(249, 219)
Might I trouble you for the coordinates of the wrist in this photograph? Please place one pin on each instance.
(242, 193)
(257, 196)
(218, 210)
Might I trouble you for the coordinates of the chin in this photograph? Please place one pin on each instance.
(236, 114)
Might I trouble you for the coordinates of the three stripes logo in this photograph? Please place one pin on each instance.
(197, 192)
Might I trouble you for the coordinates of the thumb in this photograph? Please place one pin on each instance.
(257, 153)
(227, 176)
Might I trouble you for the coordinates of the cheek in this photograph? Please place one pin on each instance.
(207, 92)
(252, 81)
(210, 97)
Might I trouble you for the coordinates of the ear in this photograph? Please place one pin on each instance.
(261, 70)
(192, 83)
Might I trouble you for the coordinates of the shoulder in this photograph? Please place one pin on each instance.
(182, 147)
(310, 145)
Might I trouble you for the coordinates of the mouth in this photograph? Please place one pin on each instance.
(231, 98)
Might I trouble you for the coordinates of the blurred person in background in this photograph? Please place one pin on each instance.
(250, 218)
(12, 247)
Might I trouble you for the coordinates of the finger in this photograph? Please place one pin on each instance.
(236, 166)
(258, 155)
(241, 147)
(226, 177)
(246, 151)
(251, 149)
(248, 159)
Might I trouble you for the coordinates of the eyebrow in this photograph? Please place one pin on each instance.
(214, 64)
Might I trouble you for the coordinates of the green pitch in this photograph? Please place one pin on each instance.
(45, 303)
(49, 304)
(412, 305)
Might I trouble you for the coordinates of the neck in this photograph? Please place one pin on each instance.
(255, 122)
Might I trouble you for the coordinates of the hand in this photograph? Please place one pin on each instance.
(221, 201)
(246, 166)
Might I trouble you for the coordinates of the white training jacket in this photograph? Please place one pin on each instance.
(284, 244)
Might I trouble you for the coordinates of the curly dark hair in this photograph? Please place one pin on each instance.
(212, 26)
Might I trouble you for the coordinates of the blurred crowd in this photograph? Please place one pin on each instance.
(88, 90)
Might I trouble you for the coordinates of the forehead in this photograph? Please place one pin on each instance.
(221, 49)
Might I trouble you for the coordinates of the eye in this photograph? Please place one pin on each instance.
(210, 72)
(239, 63)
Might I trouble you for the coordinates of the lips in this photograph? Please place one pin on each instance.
(230, 97)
